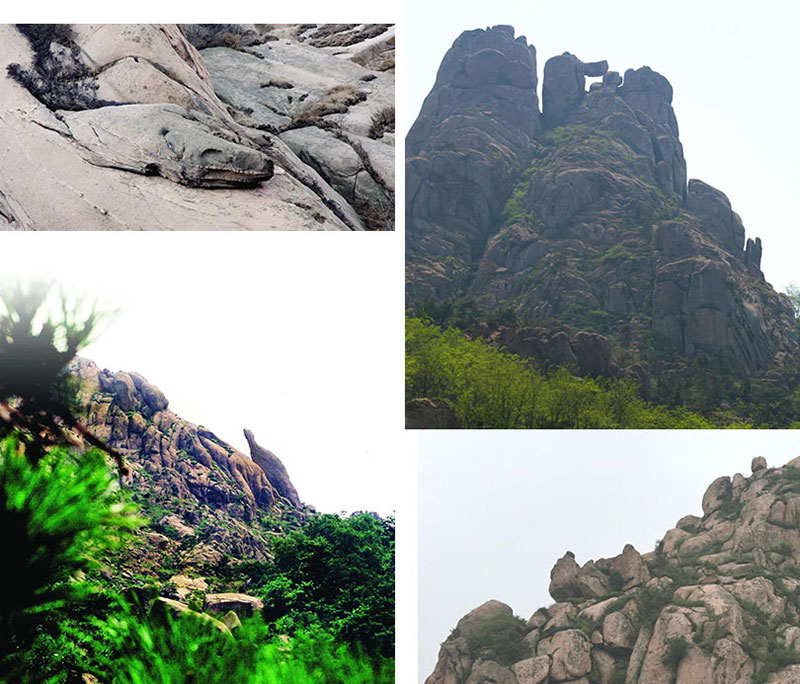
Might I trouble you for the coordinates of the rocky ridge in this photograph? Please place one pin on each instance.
(580, 215)
(205, 499)
(718, 601)
(126, 127)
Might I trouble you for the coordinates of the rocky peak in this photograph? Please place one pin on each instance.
(564, 86)
(273, 468)
(717, 601)
(488, 71)
(194, 487)
(581, 218)
(474, 132)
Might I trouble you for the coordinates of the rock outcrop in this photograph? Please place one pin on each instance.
(128, 127)
(204, 498)
(717, 602)
(475, 131)
(580, 216)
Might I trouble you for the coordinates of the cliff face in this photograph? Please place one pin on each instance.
(716, 602)
(580, 216)
(204, 498)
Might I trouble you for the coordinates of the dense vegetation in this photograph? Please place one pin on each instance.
(60, 517)
(329, 592)
(707, 392)
(336, 574)
(489, 388)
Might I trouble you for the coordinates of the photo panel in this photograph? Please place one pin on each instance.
(608, 557)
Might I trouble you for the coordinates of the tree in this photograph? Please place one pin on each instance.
(337, 573)
(41, 331)
(793, 291)
(58, 512)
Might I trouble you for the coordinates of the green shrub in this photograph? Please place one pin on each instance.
(490, 388)
(184, 650)
(59, 516)
(499, 638)
(677, 648)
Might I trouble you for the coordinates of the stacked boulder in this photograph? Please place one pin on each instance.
(718, 601)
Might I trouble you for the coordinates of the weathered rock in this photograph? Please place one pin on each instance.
(593, 353)
(586, 224)
(564, 578)
(752, 253)
(474, 129)
(631, 568)
(336, 114)
(129, 115)
(161, 606)
(592, 581)
(241, 604)
(718, 492)
(758, 464)
(202, 477)
(231, 620)
(273, 468)
(706, 615)
(595, 69)
(563, 88)
(571, 655)
(184, 585)
(490, 672)
(532, 670)
(717, 218)
(618, 633)
(454, 663)
(430, 414)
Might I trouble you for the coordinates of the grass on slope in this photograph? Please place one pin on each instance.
(489, 388)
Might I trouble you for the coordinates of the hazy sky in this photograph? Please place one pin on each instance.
(497, 509)
(730, 65)
(297, 337)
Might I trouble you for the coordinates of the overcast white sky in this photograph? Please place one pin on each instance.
(497, 509)
(731, 66)
(295, 336)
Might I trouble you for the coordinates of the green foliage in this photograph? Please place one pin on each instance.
(184, 649)
(59, 516)
(561, 134)
(41, 330)
(489, 388)
(499, 638)
(651, 602)
(465, 314)
(616, 254)
(337, 573)
(793, 292)
(515, 208)
(764, 643)
(585, 624)
(677, 647)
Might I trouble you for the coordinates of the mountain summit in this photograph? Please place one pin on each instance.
(718, 601)
(205, 499)
(579, 216)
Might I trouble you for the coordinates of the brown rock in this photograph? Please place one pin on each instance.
(718, 492)
(571, 655)
(532, 670)
(242, 604)
(430, 414)
(564, 578)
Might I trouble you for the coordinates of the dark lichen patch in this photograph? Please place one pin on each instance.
(57, 78)
(382, 122)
